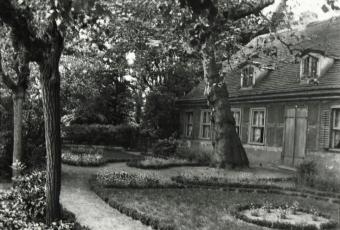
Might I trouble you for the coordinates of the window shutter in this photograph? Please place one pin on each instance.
(325, 128)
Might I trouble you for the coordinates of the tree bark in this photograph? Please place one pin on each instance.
(50, 85)
(18, 99)
(228, 149)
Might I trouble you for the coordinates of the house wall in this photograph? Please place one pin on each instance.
(271, 151)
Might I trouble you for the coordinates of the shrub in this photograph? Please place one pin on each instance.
(24, 206)
(110, 178)
(160, 163)
(165, 148)
(197, 154)
(88, 158)
(5, 154)
(307, 171)
(95, 134)
(320, 175)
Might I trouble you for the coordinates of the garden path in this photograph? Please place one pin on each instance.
(90, 210)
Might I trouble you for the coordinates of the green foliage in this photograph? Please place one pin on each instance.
(123, 179)
(319, 174)
(104, 99)
(165, 148)
(87, 158)
(160, 163)
(307, 171)
(198, 154)
(24, 206)
(120, 135)
(6, 143)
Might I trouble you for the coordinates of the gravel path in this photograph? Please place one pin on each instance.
(90, 210)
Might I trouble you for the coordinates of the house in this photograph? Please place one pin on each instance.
(283, 113)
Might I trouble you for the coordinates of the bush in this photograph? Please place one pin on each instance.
(197, 154)
(6, 143)
(24, 206)
(320, 175)
(88, 158)
(160, 163)
(307, 171)
(124, 179)
(120, 135)
(165, 148)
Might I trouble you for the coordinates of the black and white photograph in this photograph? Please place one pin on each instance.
(169, 114)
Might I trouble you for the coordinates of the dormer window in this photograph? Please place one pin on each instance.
(310, 67)
(247, 76)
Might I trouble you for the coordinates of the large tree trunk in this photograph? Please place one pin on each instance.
(18, 99)
(228, 149)
(50, 85)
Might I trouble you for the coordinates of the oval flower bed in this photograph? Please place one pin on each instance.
(284, 217)
(83, 159)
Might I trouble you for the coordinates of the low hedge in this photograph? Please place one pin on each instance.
(95, 134)
(281, 225)
(161, 163)
(135, 214)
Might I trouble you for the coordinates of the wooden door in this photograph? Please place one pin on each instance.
(295, 134)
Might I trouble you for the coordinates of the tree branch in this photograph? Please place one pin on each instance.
(246, 8)
(16, 20)
(6, 79)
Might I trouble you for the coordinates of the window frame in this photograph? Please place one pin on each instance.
(250, 132)
(312, 62)
(202, 124)
(238, 110)
(187, 123)
(333, 128)
(243, 75)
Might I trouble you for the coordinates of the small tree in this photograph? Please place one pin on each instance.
(18, 63)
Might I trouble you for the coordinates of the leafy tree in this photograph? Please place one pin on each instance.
(37, 26)
(226, 25)
(16, 80)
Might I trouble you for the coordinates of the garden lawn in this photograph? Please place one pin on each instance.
(200, 208)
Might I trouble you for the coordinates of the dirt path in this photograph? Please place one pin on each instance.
(90, 210)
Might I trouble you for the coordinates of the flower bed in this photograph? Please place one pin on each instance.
(24, 206)
(83, 159)
(220, 179)
(124, 179)
(161, 163)
(284, 217)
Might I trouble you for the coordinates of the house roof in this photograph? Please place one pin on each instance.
(321, 36)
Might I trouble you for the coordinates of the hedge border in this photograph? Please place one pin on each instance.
(331, 224)
(133, 213)
(157, 223)
(262, 188)
(136, 164)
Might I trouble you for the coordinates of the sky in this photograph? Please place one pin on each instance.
(300, 6)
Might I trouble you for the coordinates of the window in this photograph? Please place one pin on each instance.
(237, 117)
(310, 67)
(188, 124)
(336, 129)
(247, 77)
(205, 124)
(257, 125)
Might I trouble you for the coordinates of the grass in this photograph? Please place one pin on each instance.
(197, 208)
